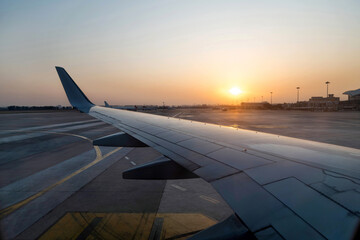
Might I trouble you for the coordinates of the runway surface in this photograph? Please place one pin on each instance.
(55, 184)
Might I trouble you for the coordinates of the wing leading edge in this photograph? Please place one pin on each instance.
(278, 187)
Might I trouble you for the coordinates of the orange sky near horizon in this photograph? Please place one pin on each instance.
(179, 52)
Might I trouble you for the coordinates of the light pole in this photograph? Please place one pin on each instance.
(271, 98)
(327, 88)
(262, 99)
(298, 89)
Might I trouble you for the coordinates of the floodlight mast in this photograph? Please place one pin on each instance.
(298, 89)
(327, 88)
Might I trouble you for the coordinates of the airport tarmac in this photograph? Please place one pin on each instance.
(55, 184)
(340, 128)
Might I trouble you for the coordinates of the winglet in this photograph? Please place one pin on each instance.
(75, 96)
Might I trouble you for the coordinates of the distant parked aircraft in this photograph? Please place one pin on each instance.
(106, 104)
(132, 108)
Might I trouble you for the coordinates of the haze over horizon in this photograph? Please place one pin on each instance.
(179, 52)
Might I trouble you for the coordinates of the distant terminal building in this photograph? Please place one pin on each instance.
(353, 95)
(255, 105)
(321, 103)
(353, 102)
(302, 105)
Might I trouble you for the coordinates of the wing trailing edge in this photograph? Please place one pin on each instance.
(119, 140)
(160, 169)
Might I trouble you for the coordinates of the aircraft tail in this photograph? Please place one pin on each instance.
(74, 94)
(106, 104)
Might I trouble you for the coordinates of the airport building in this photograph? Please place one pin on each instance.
(353, 95)
(255, 105)
(329, 103)
(353, 102)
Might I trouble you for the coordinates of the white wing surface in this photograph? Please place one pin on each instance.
(279, 187)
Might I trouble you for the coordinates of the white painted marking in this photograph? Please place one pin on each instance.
(355, 154)
(40, 180)
(78, 127)
(49, 126)
(178, 187)
(133, 163)
(39, 134)
(177, 114)
(20, 137)
(127, 158)
(209, 199)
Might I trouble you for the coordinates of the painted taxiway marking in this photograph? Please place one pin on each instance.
(28, 134)
(177, 114)
(209, 199)
(133, 163)
(178, 187)
(88, 225)
(50, 126)
(127, 158)
(6, 211)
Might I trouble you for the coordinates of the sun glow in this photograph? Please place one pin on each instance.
(235, 91)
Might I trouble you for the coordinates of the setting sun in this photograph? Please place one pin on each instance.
(235, 91)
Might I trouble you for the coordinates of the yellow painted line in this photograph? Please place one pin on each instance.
(68, 134)
(176, 224)
(136, 226)
(6, 211)
(112, 226)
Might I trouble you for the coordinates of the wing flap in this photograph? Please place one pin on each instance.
(119, 140)
(160, 169)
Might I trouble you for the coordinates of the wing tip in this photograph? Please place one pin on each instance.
(58, 68)
(74, 94)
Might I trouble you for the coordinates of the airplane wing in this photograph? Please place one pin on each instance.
(278, 187)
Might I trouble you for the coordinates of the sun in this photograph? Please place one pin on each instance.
(235, 91)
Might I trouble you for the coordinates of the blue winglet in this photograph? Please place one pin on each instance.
(76, 97)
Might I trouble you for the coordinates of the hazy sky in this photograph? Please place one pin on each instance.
(180, 52)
